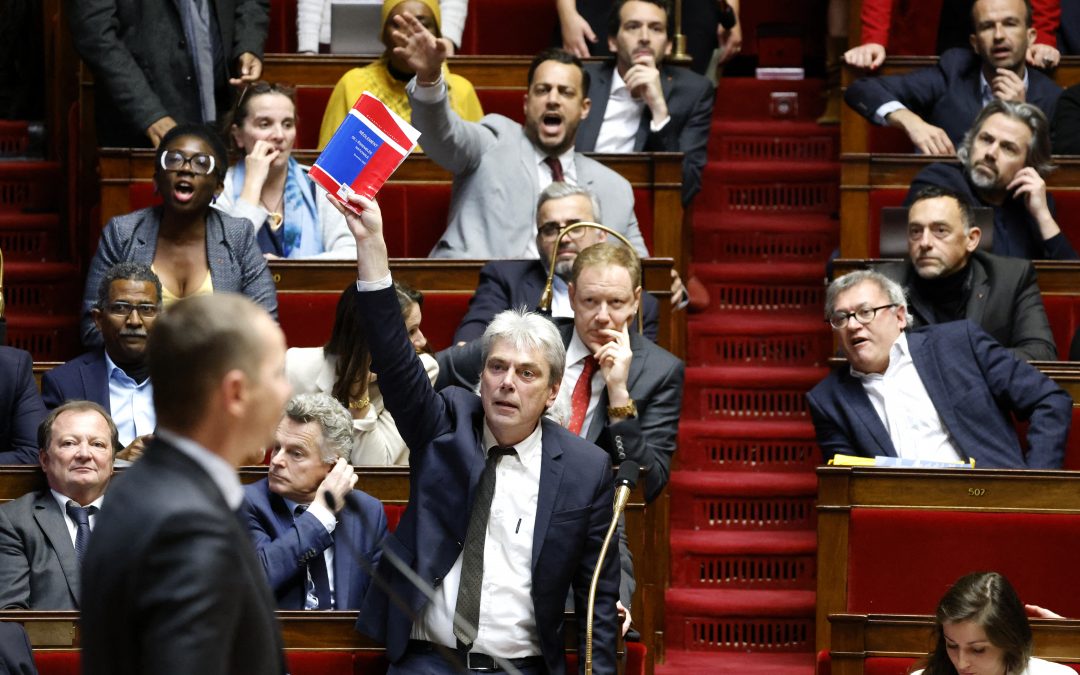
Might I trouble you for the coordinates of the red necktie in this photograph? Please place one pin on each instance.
(579, 400)
(556, 168)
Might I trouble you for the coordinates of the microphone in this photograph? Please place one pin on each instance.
(625, 480)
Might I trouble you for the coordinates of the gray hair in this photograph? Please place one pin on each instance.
(1038, 155)
(527, 331)
(333, 419)
(853, 279)
(126, 271)
(558, 190)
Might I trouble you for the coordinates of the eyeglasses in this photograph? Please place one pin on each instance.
(145, 309)
(551, 230)
(200, 163)
(863, 315)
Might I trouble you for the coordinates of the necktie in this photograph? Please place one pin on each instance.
(472, 559)
(81, 518)
(556, 168)
(579, 399)
(317, 591)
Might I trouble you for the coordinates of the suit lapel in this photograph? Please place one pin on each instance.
(528, 163)
(930, 372)
(95, 381)
(855, 396)
(551, 472)
(344, 563)
(589, 131)
(51, 521)
(980, 291)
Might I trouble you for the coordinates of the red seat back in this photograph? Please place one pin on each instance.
(643, 209)
(1063, 311)
(508, 102)
(61, 662)
(509, 27)
(887, 139)
(281, 37)
(310, 106)
(1067, 214)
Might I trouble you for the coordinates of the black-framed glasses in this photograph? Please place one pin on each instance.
(146, 310)
(200, 163)
(863, 315)
(552, 230)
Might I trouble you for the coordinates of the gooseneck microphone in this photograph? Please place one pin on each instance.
(625, 480)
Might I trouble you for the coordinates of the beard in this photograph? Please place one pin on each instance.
(981, 179)
(563, 268)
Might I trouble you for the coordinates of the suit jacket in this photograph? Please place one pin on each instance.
(509, 284)
(16, 655)
(142, 65)
(689, 98)
(21, 410)
(285, 545)
(1016, 234)
(974, 383)
(493, 205)
(1003, 300)
(236, 263)
(655, 383)
(177, 585)
(573, 508)
(1066, 124)
(86, 377)
(38, 568)
(945, 95)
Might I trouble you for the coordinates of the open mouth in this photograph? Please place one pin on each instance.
(183, 191)
(857, 341)
(551, 123)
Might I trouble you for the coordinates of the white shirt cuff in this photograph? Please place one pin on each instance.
(324, 515)
(654, 126)
(429, 94)
(886, 108)
(378, 285)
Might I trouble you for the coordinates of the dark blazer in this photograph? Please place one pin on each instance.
(1016, 234)
(236, 263)
(509, 284)
(142, 66)
(15, 651)
(689, 98)
(974, 384)
(38, 568)
(177, 585)
(945, 95)
(86, 377)
(446, 433)
(21, 409)
(1065, 127)
(285, 545)
(1003, 300)
(655, 383)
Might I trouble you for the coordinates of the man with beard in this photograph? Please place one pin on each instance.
(499, 166)
(1003, 159)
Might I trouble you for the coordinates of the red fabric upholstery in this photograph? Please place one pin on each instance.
(636, 656)
(310, 106)
(1064, 314)
(901, 561)
(442, 314)
(643, 209)
(1067, 212)
(880, 199)
(308, 662)
(393, 514)
(887, 139)
(508, 27)
(824, 663)
(420, 212)
(887, 666)
(307, 318)
(281, 38)
(64, 662)
(142, 195)
(508, 102)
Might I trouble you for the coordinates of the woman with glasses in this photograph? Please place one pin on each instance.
(193, 248)
(272, 190)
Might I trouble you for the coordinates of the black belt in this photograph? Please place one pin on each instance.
(474, 661)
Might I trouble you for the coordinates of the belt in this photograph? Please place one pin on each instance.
(474, 661)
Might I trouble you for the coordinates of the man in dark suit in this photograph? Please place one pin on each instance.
(21, 409)
(509, 284)
(935, 106)
(177, 585)
(942, 393)
(43, 535)
(305, 517)
(946, 279)
(507, 511)
(640, 104)
(115, 376)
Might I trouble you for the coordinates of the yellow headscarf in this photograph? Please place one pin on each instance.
(389, 5)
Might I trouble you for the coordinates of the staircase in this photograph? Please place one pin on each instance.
(742, 495)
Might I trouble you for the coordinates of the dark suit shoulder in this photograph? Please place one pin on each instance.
(959, 61)
(1002, 266)
(511, 270)
(21, 508)
(686, 79)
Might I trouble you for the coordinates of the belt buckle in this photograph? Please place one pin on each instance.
(482, 663)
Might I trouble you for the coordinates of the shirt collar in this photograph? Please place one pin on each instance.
(62, 500)
(577, 349)
(987, 93)
(220, 471)
(526, 449)
(566, 159)
(898, 351)
(115, 372)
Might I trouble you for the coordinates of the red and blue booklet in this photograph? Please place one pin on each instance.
(366, 149)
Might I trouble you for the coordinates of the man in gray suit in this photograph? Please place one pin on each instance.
(43, 534)
(499, 166)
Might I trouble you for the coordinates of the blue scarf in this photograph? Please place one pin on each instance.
(300, 231)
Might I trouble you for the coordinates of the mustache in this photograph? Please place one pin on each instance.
(132, 333)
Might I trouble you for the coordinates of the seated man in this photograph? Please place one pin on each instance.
(305, 517)
(1065, 129)
(43, 535)
(116, 377)
(935, 106)
(508, 284)
(21, 409)
(623, 392)
(940, 393)
(641, 104)
(499, 166)
(946, 279)
(1003, 159)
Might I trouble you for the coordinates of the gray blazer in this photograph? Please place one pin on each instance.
(236, 264)
(38, 568)
(493, 205)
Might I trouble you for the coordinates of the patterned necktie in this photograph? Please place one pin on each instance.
(472, 559)
(556, 169)
(317, 597)
(579, 399)
(81, 517)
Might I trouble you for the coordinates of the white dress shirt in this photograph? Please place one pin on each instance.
(622, 119)
(221, 472)
(329, 521)
(901, 401)
(72, 528)
(131, 404)
(575, 364)
(507, 626)
(560, 298)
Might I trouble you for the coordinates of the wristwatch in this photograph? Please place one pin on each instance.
(628, 410)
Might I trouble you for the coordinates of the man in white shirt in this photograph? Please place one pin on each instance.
(938, 394)
(43, 535)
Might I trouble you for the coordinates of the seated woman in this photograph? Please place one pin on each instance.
(387, 77)
(193, 248)
(342, 368)
(981, 628)
(292, 218)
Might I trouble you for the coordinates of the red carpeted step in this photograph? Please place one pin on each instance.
(42, 288)
(714, 501)
(47, 338)
(752, 99)
(743, 560)
(774, 288)
(29, 236)
(30, 186)
(774, 140)
(769, 187)
(682, 662)
(797, 340)
(747, 445)
(749, 393)
(735, 236)
(739, 620)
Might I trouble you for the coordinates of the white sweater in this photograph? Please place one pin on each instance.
(313, 22)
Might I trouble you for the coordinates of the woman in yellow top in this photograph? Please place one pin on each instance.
(387, 77)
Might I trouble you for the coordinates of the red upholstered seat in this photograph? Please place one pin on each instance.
(393, 515)
(308, 662)
(887, 139)
(643, 209)
(142, 195)
(508, 27)
(281, 37)
(310, 106)
(1067, 212)
(888, 666)
(1063, 311)
(65, 662)
(508, 102)
(420, 217)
